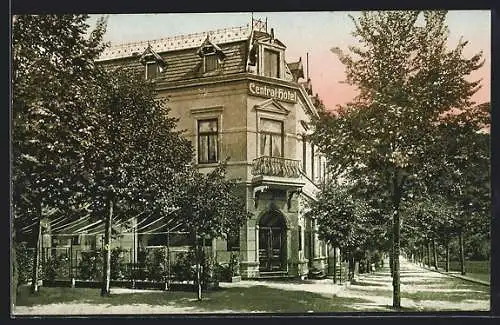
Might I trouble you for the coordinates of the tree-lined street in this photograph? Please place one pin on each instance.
(406, 174)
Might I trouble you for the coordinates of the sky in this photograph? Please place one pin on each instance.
(304, 32)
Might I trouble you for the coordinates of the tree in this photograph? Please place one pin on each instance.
(52, 66)
(460, 164)
(431, 220)
(210, 206)
(347, 221)
(406, 77)
(132, 153)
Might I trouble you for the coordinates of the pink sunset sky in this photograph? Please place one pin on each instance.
(305, 32)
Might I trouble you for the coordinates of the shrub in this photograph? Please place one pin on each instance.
(56, 267)
(24, 257)
(223, 272)
(183, 269)
(156, 263)
(209, 273)
(118, 266)
(90, 265)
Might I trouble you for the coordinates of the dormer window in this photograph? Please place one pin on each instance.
(211, 62)
(271, 63)
(152, 70)
(153, 63)
(211, 55)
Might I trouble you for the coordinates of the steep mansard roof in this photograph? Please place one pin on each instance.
(181, 53)
(187, 64)
(180, 42)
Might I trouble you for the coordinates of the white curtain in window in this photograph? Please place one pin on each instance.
(265, 144)
(203, 149)
(212, 148)
(277, 145)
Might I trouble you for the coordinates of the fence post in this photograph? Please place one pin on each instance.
(70, 255)
(168, 261)
(76, 266)
(340, 267)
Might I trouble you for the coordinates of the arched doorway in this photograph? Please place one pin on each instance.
(272, 242)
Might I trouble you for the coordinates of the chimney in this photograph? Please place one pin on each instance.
(272, 33)
(307, 65)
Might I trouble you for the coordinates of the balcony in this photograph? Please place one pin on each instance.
(275, 166)
(274, 173)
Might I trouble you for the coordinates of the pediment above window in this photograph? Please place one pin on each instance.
(269, 39)
(150, 56)
(272, 106)
(209, 48)
(273, 42)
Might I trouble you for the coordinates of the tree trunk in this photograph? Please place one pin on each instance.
(434, 254)
(396, 295)
(37, 230)
(428, 254)
(334, 265)
(447, 264)
(105, 290)
(422, 255)
(14, 271)
(391, 261)
(340, 266)
(198, 275)
(352, 266)
(462, 254)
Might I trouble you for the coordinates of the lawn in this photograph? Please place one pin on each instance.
(474, 269)
(480, 276)
(252, 299)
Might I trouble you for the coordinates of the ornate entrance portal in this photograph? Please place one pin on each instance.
(272, 242)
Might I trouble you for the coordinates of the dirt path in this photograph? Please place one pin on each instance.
(421, 290)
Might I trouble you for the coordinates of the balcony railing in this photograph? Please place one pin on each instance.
(275, 166)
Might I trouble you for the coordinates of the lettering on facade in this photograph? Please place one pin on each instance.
(271, 91)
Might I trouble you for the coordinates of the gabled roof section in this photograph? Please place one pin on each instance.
(264, 37)
(150, 55)
(272, 106)
(297, 69)
(207, 47)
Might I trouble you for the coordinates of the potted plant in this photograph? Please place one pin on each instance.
(234, 266)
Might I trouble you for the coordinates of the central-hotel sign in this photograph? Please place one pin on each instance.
(272, 91)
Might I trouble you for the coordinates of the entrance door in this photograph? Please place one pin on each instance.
(272, 243)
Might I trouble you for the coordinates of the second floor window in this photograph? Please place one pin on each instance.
(271, 138)
(271, 63)
(207, 141)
